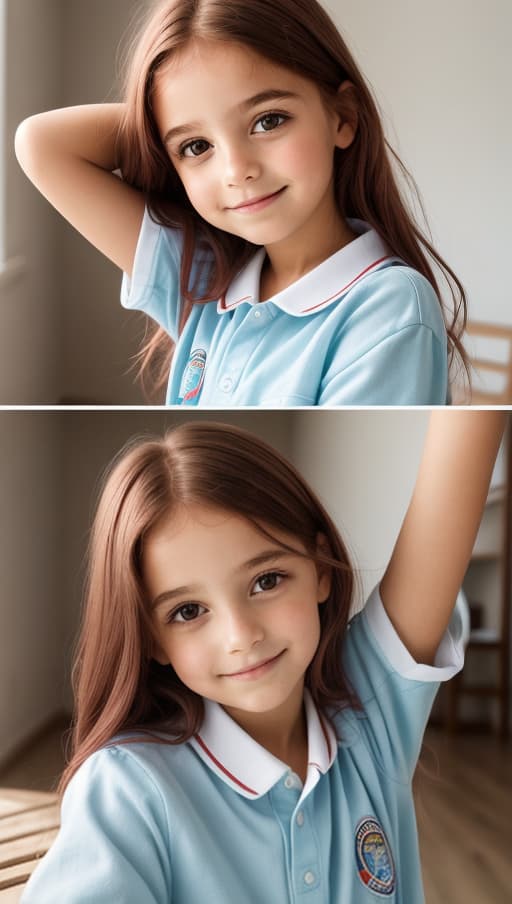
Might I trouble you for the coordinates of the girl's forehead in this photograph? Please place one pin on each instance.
(204, 525)
(218, 55)
(194, 517)
(221, 73)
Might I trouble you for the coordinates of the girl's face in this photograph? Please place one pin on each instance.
(251, 141)
(234, 613)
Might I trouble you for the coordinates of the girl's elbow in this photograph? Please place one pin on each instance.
(25, 144)
(30, 142)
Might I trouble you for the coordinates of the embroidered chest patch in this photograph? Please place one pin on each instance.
(374, 859)
(193, 377)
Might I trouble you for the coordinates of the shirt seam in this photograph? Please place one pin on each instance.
(389, 336)
(376, 758)
(118, 749)
(390, 673)
(408, 276)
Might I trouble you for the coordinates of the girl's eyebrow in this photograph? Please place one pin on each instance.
(270, 555)
(263, 96)
(260, 98)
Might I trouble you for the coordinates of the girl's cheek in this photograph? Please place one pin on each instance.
(189, 662)
(302, 161)
(199, 193)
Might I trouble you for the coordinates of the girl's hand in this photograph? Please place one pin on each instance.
(432, 552)
(70, 156)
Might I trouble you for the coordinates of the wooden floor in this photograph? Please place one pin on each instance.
(463, 791)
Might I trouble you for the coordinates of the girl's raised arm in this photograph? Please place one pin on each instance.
(432, 552)
(70, 156)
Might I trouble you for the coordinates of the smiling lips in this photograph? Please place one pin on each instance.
(255, 671)
(256, 204)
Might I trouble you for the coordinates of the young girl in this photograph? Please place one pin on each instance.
(259, 221)
(233, 741)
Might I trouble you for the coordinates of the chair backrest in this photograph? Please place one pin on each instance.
(489, 348)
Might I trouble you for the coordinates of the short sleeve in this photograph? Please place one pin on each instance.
(154, 286)
(396, 692)
(112, 845)
(391, 348)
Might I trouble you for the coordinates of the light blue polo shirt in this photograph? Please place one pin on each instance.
(220, 819)
(362, 328)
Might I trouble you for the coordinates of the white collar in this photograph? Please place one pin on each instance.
(323, 285)
(249, 768)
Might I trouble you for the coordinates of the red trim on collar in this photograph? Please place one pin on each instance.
(226, 307)
(223, 768)
(359, 275)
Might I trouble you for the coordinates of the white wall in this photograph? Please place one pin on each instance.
(363, 466)
(99, 337)
(30, 327)
(442, 74)
(32, 674)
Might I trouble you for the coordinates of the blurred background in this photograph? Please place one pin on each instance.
(441, 74)
(363, 465)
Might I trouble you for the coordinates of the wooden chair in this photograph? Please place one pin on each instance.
(495, 643)
(490, 352)
(29, 822)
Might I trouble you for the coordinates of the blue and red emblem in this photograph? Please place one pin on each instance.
(374, 859)
(193, 377)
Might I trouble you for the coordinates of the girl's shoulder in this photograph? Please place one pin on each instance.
(399, 295)
(396, 693)
(130, 761)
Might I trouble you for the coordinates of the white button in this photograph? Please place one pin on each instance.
(257, 313)
(289, 782)
(300, 818)
(309, 877)
(227, 384)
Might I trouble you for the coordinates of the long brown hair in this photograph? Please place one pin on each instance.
(118, 686)
(299, 35)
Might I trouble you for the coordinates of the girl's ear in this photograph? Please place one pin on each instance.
(347, 115)
(324, 571)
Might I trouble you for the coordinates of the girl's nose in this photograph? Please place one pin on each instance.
(241, 631)
(240, 166)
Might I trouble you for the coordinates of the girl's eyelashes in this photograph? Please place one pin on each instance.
(268, 581)
(189, 612)
(268, 122)
(195, 148)
(185, 613)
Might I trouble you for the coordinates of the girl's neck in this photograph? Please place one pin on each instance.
(288, 261)
(282, 732)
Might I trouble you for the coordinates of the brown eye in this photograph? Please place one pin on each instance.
(268, 581)
(269, 122)
(188, 612)
(194, 148)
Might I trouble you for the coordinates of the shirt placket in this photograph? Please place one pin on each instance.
(301, 848)
(240, 347)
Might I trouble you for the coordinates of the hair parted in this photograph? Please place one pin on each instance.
(118, 686)
(300, 35)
